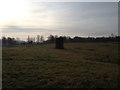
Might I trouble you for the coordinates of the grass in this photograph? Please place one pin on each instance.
(79, 65)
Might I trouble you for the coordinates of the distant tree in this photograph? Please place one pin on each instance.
(56, 36)
(64, 38)
(76, 38)
(38, 38)
(41, 38)
(112, 35)
(11, 41)
(33, 39)
(68, 38)
(51, 38)
(28, 39)
(8, 41)
(4, 40)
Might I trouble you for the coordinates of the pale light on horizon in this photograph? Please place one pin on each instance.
(13, 10)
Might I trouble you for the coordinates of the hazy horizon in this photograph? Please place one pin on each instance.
(59, 18)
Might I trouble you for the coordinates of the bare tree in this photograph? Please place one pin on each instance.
(28, 39)
(33, 39)
(41, 38)
(112, 35)
(38, 38)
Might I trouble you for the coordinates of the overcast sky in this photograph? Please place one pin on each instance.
(31, 17)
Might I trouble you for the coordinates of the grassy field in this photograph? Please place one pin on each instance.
(79, 65)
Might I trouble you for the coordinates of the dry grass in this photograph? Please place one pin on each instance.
(79, 65)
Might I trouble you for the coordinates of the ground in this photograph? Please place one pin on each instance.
(79, 65)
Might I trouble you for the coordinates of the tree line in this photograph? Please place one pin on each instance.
(39, 39)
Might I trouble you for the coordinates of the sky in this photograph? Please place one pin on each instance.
(20, 18)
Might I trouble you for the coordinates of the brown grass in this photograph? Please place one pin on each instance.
(79, 65)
